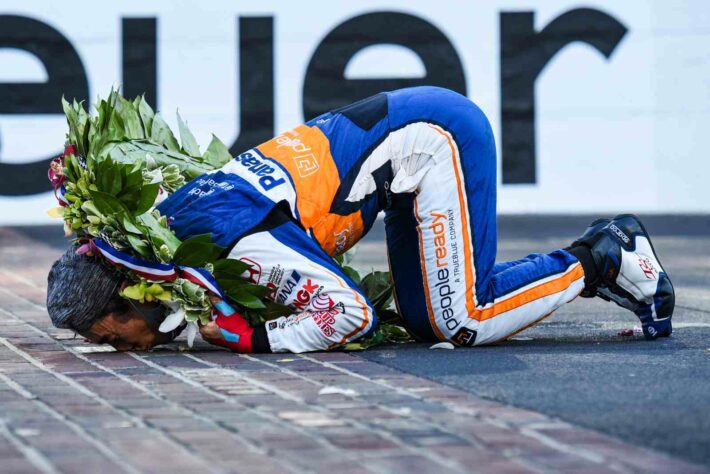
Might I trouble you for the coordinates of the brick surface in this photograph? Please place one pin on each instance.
(67, 406)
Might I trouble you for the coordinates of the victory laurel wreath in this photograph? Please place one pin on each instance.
(116, 166)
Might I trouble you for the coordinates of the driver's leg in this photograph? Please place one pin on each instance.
(442, 244)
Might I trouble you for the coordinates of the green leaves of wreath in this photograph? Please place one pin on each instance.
(126, 156)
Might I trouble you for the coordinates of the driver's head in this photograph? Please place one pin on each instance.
(83, 295)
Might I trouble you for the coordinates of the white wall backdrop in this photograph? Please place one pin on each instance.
(627, 133)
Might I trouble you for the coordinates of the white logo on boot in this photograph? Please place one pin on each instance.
(620, 233)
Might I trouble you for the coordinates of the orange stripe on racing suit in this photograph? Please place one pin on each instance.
(425, 281)
(536, 292)
(468, 257)
(305, 153)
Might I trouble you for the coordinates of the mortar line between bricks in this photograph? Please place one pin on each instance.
(227, 399)
(532, 433)
(298, 400)
(156, 366)
(63, 378)
(560, 447)
(386, 435)
(69, 349)
(32, 284)
(81, 432)
(278, 420)
(270, 388)
(398, 390)
(256, 449)
(30, 453)
(16, 387)
(148, 391)
(324, 442)
(427, 423)
(69, 381)
(335, 367)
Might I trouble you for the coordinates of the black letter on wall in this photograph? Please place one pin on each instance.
(140, 58)
(256, 82)
(65, 76)
(325, 87)
(524, 53)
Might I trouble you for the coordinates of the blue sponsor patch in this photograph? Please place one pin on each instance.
(259, 167)
(224, 308)
(288, 286)
(229, 336)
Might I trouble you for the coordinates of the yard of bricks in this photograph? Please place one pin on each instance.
(69, 406)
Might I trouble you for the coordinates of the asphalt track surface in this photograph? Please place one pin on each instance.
(575, 366)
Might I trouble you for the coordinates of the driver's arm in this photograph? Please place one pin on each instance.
(329, 308)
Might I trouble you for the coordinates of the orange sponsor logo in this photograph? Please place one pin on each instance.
(306, 163)
(437, 227)
(305, 154)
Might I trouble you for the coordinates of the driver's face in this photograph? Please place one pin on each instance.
(127, 332)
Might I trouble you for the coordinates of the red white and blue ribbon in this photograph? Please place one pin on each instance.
(202, 277)
(155, 271)
(59, 194)
(55, 175)
(57, 181)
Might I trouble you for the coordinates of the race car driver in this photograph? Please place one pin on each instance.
(426, 157)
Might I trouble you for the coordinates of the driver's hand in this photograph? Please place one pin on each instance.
(211, 332)
(229, 329)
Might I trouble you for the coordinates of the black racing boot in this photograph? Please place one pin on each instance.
(592, 281)
(628, 272)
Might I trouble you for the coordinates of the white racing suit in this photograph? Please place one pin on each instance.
(426, 157)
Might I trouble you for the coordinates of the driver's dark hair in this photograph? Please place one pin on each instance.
(81, 290)
(116, 304)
